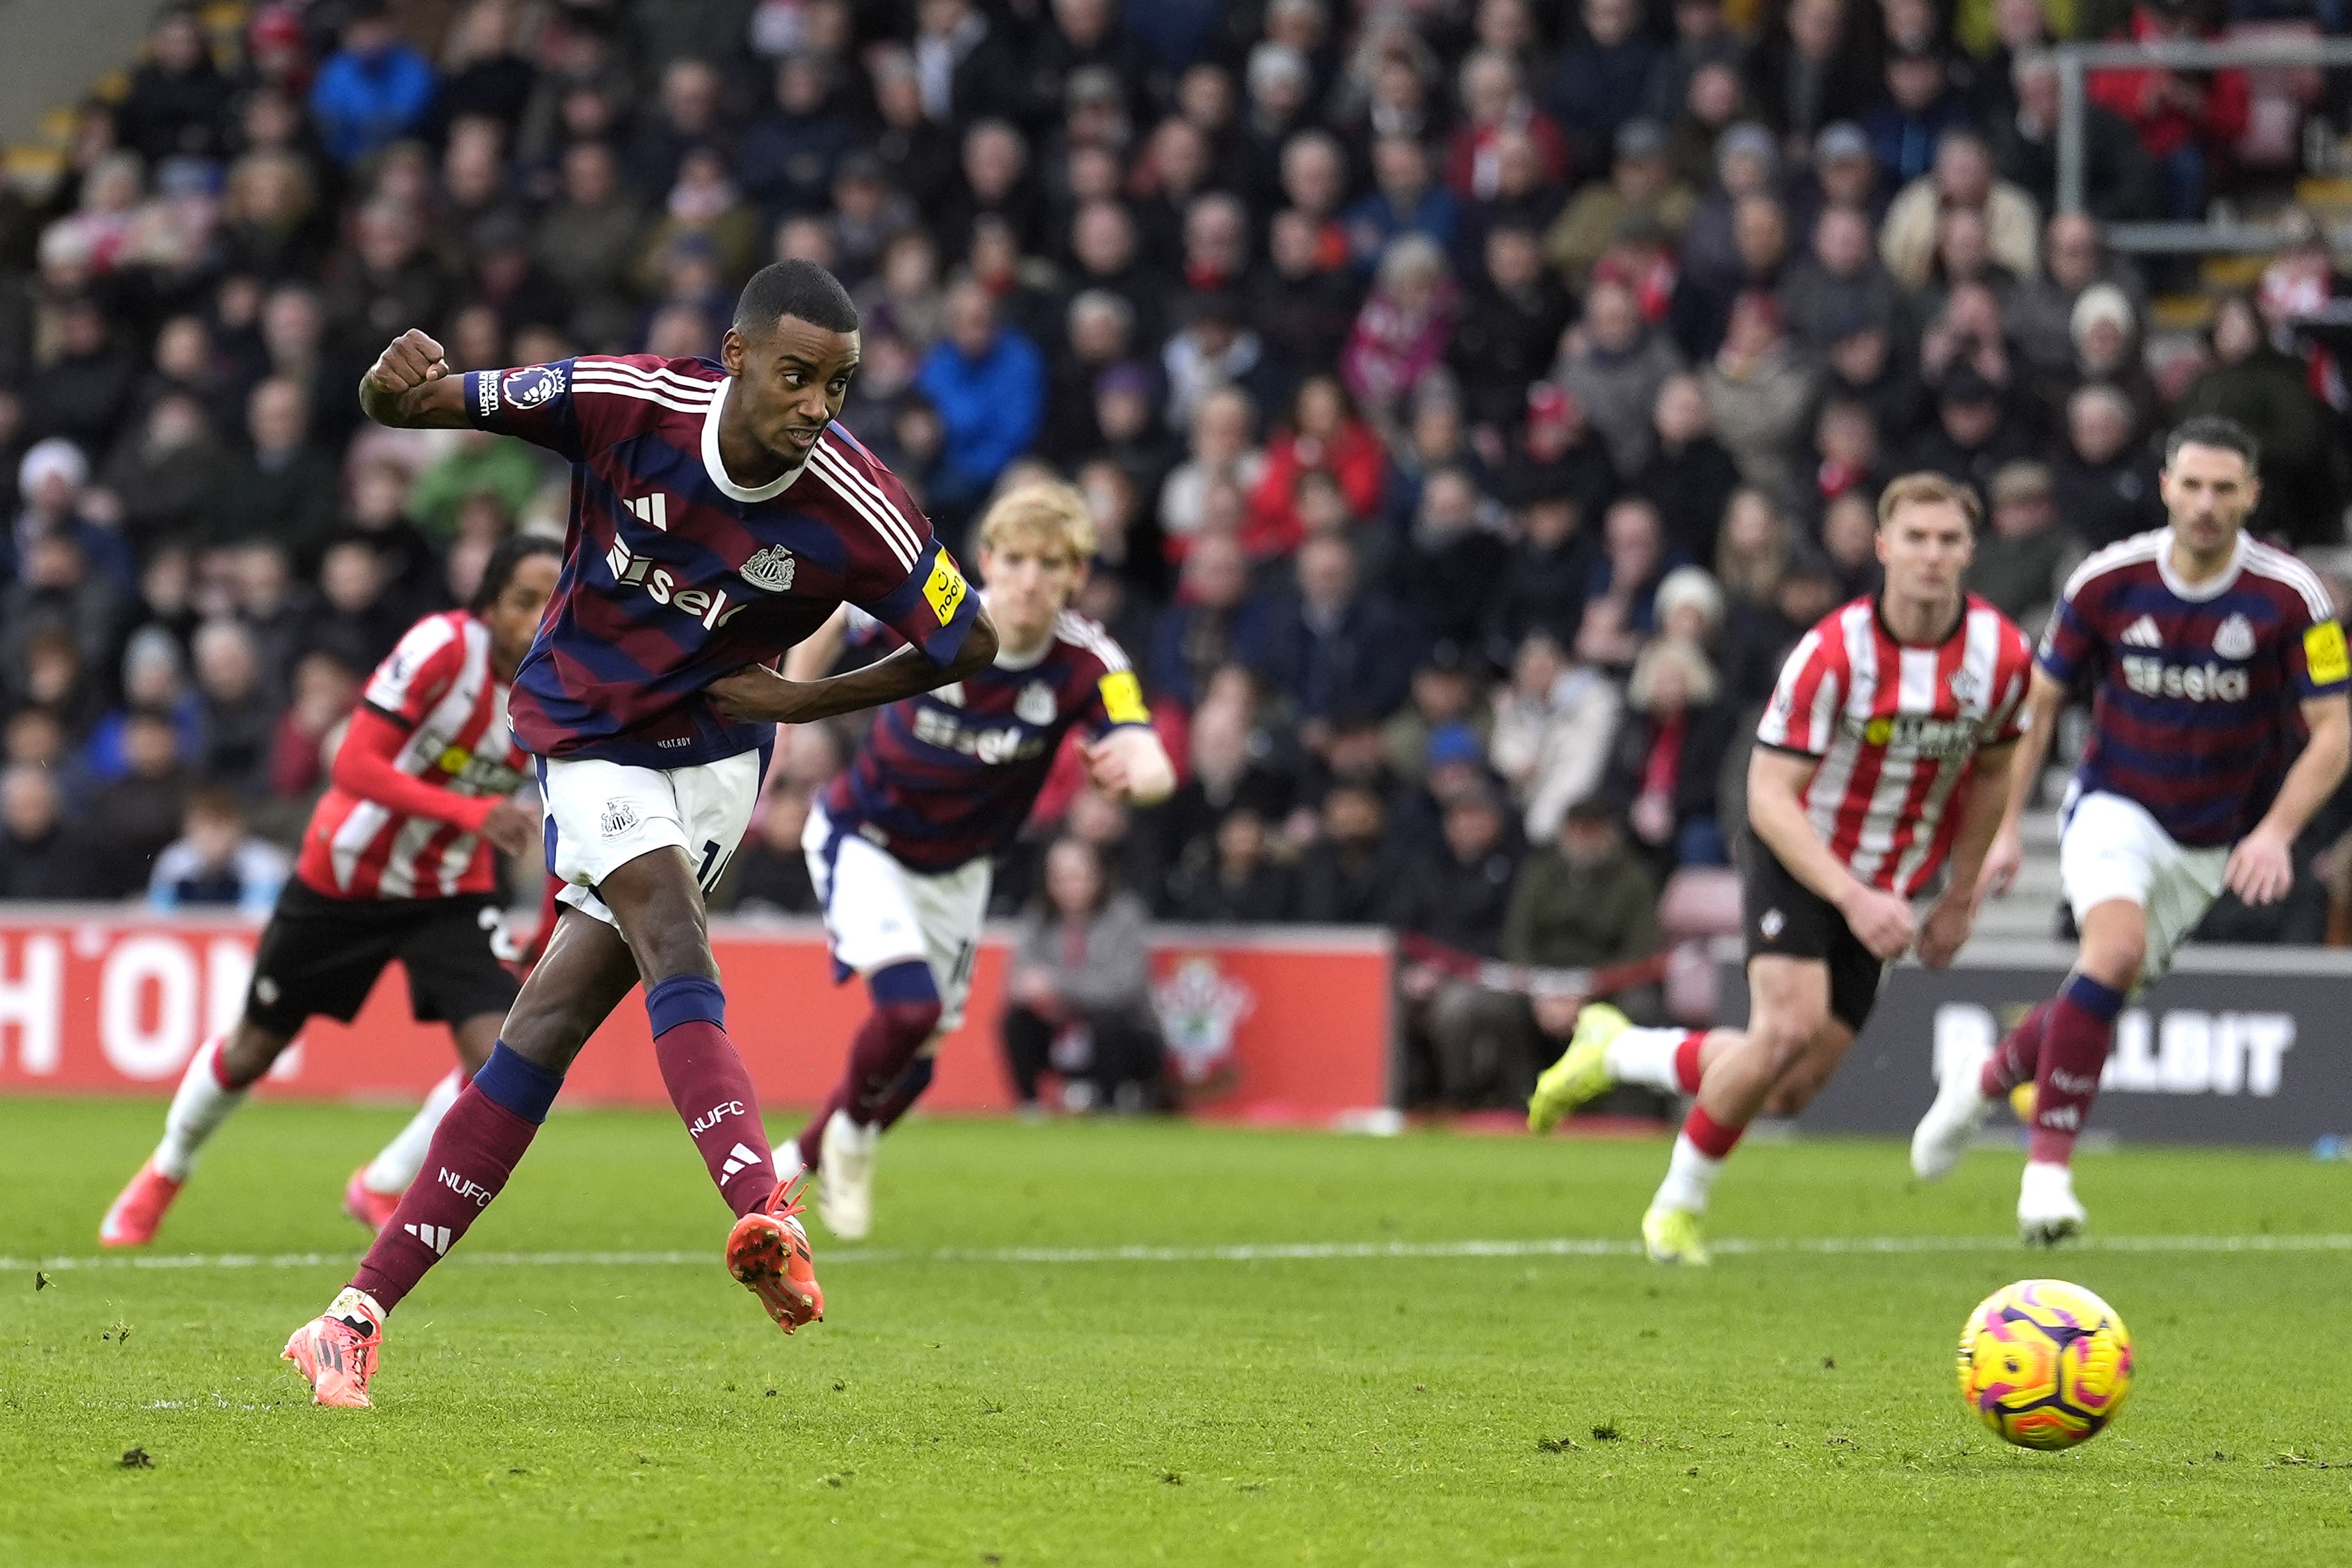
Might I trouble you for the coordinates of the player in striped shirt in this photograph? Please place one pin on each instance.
(395, 863)
(1879, 761)
(900, 848)
(2219, 724)
(718, 515)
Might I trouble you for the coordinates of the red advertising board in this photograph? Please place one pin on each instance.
(1287, 1025)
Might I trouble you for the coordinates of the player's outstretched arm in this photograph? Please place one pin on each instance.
(1775, 811)
(1132, 765)
(760, 695)
(2043, 698)
(410, 386)
(2261, 867)
(810, 657)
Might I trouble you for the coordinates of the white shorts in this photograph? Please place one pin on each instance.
(601, 816)
(878, 912)
(2110, 848)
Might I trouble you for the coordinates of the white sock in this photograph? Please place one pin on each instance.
(391, 1171)
(199, 1105)
(2043, 1177)
(1690, 1175)
(1646, 1057)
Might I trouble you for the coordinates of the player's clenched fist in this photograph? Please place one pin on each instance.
(410, 361)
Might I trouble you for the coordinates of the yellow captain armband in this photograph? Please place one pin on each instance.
(944, 588)
(1122, 698)
(2324, 654)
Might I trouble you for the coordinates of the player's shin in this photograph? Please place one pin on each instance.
(1668, 1060)
(471, 1155)
(1700, 1150)
(2018, 1059)
(906, 1015)
(204, 1100)
(710, 1088)
(2076, 1042)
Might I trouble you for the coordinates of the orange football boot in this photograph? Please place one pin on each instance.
(769, 1252)
(335, 1356)
(364, 1204)
(139, 1209)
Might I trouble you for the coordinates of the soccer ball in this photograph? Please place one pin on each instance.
(2045, 1363)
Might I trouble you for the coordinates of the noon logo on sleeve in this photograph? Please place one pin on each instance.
(2324, 652)
(945, 589)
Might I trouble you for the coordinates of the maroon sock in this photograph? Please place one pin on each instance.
(885, 1045)
(904, 1094)
(2018, 1059)
(712, 1092)
(2074, 1046)
(472, 1153)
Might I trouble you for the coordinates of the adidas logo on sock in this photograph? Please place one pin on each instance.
(435, 1236)
(739, 1158)
(2142, 633)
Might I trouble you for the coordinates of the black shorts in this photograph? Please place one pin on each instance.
(1784, 917)
(320, 956)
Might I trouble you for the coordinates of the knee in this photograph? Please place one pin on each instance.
(2114, 958)
(1781, 1043)
(908, 998)
(247, 1053)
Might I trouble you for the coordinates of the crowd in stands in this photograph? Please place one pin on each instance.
(1475, 397)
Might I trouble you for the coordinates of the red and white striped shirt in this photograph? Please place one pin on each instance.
(438, 686)
(1897, 728)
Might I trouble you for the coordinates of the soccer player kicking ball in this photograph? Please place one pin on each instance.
(2205, 646)
(900, 847)
(395, 863)
(718, 515)
(1879, 759)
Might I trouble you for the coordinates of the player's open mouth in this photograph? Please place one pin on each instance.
(802, 441)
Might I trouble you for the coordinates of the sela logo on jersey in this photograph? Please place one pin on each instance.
(2235, 640)
(532, 385)
(2207, 682)
(1927, 736)
(708, 606)
(771, 568)
(1004, 743)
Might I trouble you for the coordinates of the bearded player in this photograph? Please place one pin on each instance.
(718, 515)
(2211, 656)
(1879, 759)
(395, 863)
(900, 846)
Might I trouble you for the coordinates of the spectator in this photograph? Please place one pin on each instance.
(178, 104)
(2120, 182)
(1612, 362)
(1544, 576)
(1757, 635)
(1456, 894)
(1642, 185)
(1222, 454)
(1337, 651)
(587, 239)
(1602, 78)
(1668, 764)
(2106, 337)
(1325, 437)
(1346, 876)
(1689, 476)
(2041, 309)
(1300, 311)
(1236, 881)
(1400, 336)
(1215, 620)
(1405, 198)
(83, 391)
(217, 861)
(784, 160)
(141, 809)
(1841, 286)
(1215, 350)
(283, 489)
(1555, 727)
(1445, 692)
(1583, 902)
(40, 860)
(2182, 118)
(988, 382)
(324, 689)
(1513, 317)
(2105, 483)
(164, 473)
(372, 91)
(56, 590)
(2303, 465)
(1817, 68)
(1963, 179)
(1920, 107)
(1080, 993)
(1496, 105)
(237, 716)
(2022, 559)
(1974, 435)
(1621, 595)
(1758, 388)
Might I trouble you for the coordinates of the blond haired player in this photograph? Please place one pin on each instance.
(899, 845)
(1879, 759)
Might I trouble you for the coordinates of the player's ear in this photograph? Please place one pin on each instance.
(731, 352)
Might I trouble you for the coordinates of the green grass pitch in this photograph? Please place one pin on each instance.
(992, 1386)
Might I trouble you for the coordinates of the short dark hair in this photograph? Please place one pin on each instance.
(2214, 430)
(500, 569)
(794, 288)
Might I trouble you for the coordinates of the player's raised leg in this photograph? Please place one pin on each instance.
(217, 1080)
(1608, 1050)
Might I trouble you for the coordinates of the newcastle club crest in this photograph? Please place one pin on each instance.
(771, 568)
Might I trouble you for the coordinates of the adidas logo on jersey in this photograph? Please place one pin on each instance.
(435, 1236)
(2142, 633)
(771, 568)
(739, 1158)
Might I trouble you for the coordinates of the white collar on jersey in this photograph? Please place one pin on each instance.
(2212, 587)
(1020, 661)
(717, 466)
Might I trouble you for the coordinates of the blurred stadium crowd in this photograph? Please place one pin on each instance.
(1476, 397)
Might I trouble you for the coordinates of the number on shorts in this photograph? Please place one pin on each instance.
(714, 865)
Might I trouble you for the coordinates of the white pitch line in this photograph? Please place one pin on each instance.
(1246, 1252)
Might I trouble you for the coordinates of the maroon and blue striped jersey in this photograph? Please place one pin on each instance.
(949, 776)
(674, 575)
(2196, 713)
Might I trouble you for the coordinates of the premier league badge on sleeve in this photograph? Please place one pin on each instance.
(532, 385)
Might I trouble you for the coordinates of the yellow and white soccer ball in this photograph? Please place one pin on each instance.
(2045, 1363)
